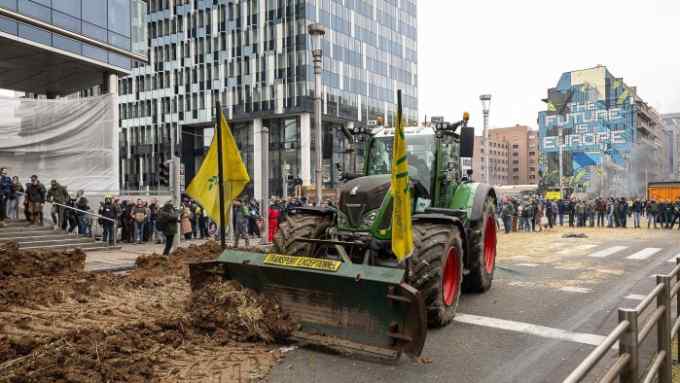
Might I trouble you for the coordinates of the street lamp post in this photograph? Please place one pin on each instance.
(486, 103)
(316, 31)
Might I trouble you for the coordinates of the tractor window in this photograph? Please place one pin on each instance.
(420, 150)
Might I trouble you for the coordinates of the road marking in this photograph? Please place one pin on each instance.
(531, 329)
(527, 264)
(644, 253)
(576, 248)
(635, 297)
(673, 260)
(608, 251)
(574, 289)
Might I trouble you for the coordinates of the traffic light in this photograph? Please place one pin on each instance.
(164, 173)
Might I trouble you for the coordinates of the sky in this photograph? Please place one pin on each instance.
(516, 49)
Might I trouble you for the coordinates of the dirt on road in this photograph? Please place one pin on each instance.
(72, 326)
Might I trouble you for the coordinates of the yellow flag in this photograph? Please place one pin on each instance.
(402, 234)
(205, 189)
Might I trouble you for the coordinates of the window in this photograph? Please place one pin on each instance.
(94, 11)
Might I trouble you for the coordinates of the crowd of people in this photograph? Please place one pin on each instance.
(527, 214)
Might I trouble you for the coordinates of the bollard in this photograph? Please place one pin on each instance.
(628, 344)
(663, 329)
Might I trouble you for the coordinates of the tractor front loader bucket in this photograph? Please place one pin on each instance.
(348, 307)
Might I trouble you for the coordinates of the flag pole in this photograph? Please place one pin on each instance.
(220, 173)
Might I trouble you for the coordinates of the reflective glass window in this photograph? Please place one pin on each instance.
(8, 25)
(9, 4)
(35, 34)
(35, 10)
(119, 17)
(95, 32)
(94, 52)
(119, 41)
(94, 11)
(65, 43)
(70, 7)
(119, 60)
(65, 21)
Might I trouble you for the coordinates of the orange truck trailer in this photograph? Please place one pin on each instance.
(663, 191)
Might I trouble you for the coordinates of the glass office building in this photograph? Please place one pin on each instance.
(254, 57)
(56, 47)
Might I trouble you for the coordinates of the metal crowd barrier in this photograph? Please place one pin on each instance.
(630, 334)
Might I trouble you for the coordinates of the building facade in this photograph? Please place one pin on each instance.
(254, 57)
(499, 159)
(601, 133)
(513, 156)
(55, 48)
(671, 123)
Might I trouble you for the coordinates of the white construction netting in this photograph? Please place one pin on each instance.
(74, 141)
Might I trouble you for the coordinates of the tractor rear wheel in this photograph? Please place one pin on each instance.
(483, 250)
(299, 226)
(436, 269)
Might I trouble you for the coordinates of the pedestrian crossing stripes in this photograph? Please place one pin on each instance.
(635, 297)
(608, 251)
(644, 253)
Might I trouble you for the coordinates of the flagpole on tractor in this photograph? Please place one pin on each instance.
(220, 174)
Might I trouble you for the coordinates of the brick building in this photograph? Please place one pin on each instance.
(513, 156)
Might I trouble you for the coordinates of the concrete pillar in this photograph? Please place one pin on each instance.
(256, 129)
(112, 87)
(305, 148)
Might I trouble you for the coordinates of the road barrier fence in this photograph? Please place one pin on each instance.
(630, 333)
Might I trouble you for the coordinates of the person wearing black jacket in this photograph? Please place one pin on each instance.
(35, 195)
(107, 210)
(167, 220)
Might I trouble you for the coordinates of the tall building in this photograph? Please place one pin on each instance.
(255, 58)
(55, 48)
(606, 138)
(671, 124)
(513, 156)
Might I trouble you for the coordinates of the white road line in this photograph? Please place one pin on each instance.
(531, 329)
(574, 289)
(635, 297)
(527, 264)
(608, 251)
(575, 248)
(644, 253)
(672, 260)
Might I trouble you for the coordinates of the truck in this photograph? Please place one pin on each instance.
(668, 191)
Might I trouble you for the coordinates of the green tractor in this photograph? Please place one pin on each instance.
(333, 268)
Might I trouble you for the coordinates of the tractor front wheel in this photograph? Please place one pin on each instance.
(436, 269)
(300, 226)
(483, 250)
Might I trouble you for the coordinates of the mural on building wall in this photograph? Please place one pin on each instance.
(590, 116)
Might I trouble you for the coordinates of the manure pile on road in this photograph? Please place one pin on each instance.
(60, 324)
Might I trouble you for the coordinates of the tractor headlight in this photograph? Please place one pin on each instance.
(342, 219)
(370, 217)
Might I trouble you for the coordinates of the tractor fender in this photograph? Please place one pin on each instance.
(470, 197)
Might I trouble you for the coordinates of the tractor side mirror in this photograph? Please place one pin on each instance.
(467, 142)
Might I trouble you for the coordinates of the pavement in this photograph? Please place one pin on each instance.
(124, 258)
(553, 301)
(539, 321)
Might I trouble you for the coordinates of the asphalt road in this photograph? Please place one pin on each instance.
(538, 322)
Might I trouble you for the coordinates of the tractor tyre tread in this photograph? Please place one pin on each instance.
(478, 280)
(431, 243)
(299, 226)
